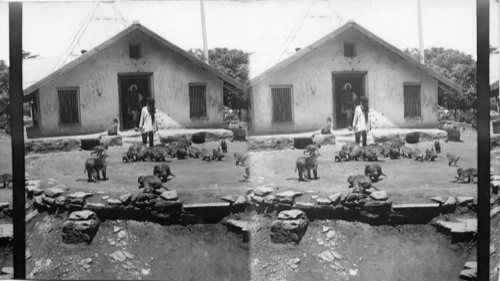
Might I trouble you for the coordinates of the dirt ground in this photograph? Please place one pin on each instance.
(198, 252)
(385, 253)
(407, 181)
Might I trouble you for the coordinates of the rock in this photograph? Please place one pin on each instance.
(49, 200)
(113, 201)
(438, 199)
(242, 225)
(303, 205)
(262, 190)
(461, 226)
(269, 199)
(468, 274)
(128, 255)
(79, 231)
(462, 201)
(125, 199)
(31, 214)
(4, 205)
(6, 231)
(79, 194)
(116, 229)
(378, 207)
(95, 206)
(314, 196)
(323, 201)
(327, 256)
(325, 229)
(291, 215)
(241, 200)
(145, 271)
(337, 255)
(54, 191)
(379, 195)
(450, 204)
(7, 273)
(122, 234)
(257, 199)
(169, 195)
(284, 231)
(335, 198)
(471, 265)
(330, 234)
(228, 199)
(105, 197)
(288, 193)
(28, 254)
(118, 256)
(82, 215)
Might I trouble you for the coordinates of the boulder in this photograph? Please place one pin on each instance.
(228, 199)
(113, 201)
(291, 215)
(284, 231)
(269, 199)
(462, 201)
(170, 206)
(240, 201)
(169, 195)
(379, 195)
(79, 194)
(125, 199)
(6, 231)
(335, 198)
(323, 202)
(239, 224)
(262, 190)
(79, 231)
(82, 215)
(53, 191)
(449, 205)
(438, 199)
(303, 205)
(95, 206)
(378, 207)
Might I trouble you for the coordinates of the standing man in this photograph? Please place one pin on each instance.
(348, 103)
(134, 102)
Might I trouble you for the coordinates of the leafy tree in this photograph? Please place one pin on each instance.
(234, 63)
(456, 66)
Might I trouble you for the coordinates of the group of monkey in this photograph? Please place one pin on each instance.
(391, 149)
(95, 165)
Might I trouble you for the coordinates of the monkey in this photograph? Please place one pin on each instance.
(150, 182)
(452, 159)
(370, 156)
(145, 153)
(247, 173)
(216, 153)
(205, 155)
(181, 153)
(406, 152)
(437, 145)
(94, 165)
(306, 164)
(394, 153)
(375, 148)
(98, 149)
(343, 154)
(374, 171)
(162, 171)
(355, 153)
(308, 148)
(430, 155)
(419, 156)
(129, 156)
(6, 179)
(470, 174)
(360, 182)
(240, 158)
(193, 152)
(223, 145)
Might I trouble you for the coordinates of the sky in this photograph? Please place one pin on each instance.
(270, 30)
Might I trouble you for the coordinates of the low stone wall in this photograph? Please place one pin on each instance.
(279, 142)
(168, 136)
(382, 135)
(67, 144)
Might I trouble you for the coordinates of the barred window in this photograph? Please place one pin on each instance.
(412, 100)
(282, 104)
(68, 106)
(197, 101)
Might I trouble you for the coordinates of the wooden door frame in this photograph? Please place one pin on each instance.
(346, 74)
(128, 75)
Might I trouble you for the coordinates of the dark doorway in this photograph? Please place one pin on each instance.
(348, 88)
(133, 91)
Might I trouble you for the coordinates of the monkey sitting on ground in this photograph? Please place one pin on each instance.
(419, 156)
(394, 153)
(223, 145)
(162, 171)
(6, 179)
(452, 159)
(469, 174)
(406, 152)
(181, 153)
(360, 182)
(150, 182)
(305, 164)
(94, 165)
(343, 155)
(437, 145)
(355, 153)
(205, 155)
(193, 152)
(374, 171)
(145, 153)
(217, 154)
(430, 155)
(240, 158)
(307, 148)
